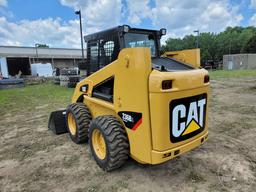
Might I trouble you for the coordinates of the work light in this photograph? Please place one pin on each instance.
(126, 28)
(163, 31)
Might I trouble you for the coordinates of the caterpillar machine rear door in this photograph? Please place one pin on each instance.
(136, 102)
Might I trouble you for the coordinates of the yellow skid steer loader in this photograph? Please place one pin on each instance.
(136, 102)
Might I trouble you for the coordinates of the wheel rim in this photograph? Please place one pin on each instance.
(71, 124)
(99, 144)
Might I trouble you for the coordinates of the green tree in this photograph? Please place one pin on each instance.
(208, 46)
(232, 40)
(42, 45)
(250, 46)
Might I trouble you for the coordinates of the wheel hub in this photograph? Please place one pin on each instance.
(99, 144)
(71, 124)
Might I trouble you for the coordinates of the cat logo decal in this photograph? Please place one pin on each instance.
(187, 117)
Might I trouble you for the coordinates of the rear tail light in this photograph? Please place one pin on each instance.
(167, 84)
(206, 79)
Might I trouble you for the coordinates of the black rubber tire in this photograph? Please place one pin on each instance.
(83, 118)
(116, 140)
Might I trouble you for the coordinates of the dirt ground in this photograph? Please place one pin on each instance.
(34, 159)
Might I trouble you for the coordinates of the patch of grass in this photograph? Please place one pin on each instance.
(33, 97)
(217, 187)
(24, 150)
(71, 161)
(233, 73)
(118, 186)
(122, 184)
(93, 188)
(195, 177)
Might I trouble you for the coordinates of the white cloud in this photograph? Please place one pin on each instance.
(3, 3)
(4, 12)
(49, 31)
(180, 17)
(253, 4)
(253, 20)
(138, 10)
(97, 14)
(183, 17)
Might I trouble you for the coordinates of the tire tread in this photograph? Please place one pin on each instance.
(116, 140)
(83, 119)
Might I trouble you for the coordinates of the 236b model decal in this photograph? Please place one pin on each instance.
(132, 120)
(187, 117)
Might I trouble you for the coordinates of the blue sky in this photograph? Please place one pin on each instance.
(25, 22)
(43, 9)
(31, 10)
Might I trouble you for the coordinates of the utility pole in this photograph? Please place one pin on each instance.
(81, 33)
(36, 51)
(229, 51)
(197, 39)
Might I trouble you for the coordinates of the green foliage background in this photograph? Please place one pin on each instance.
(213, 46)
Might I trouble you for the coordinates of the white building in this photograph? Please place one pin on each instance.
(239, 61)
(15, 59)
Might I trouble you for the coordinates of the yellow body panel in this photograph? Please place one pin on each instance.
(185, 84)
(137, 88)
(190, 56)
(131, 71)
(162, 156)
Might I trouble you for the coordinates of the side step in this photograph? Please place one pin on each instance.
(57, 122)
